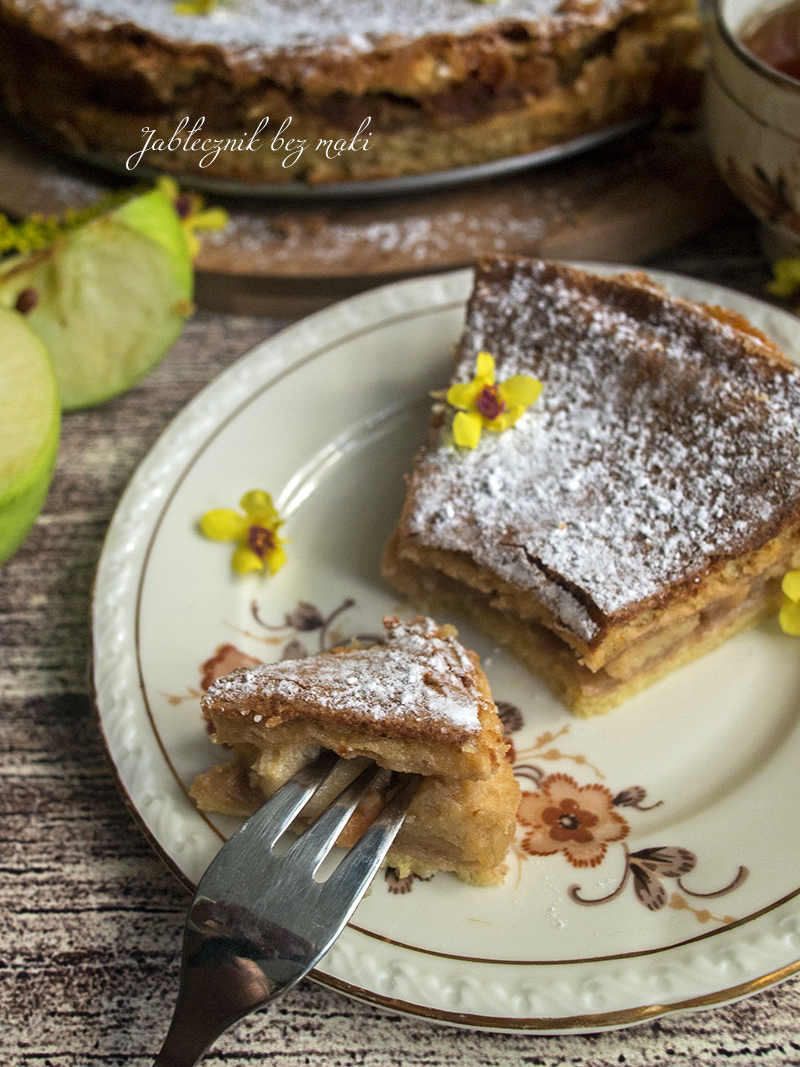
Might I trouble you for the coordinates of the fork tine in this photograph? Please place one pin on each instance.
(266, 825)
(365, 857)
(311, 848)
(280, 811)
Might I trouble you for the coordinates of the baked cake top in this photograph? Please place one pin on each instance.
(265, 26)
(420, 684)
(665, 442)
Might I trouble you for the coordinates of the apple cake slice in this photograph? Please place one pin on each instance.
(417, 702)
(643, 510)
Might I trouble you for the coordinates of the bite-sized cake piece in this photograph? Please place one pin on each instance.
(641, 511)
(338, 90)
(418, 702)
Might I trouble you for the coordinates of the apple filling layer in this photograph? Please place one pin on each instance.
(644, 661)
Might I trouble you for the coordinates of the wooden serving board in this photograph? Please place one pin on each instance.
(624, 202)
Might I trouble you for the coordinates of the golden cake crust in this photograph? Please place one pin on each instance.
(416, 702)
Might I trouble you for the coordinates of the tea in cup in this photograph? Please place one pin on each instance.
(752, 111)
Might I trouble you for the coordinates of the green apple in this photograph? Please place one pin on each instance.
(30, 419)
(108, 299)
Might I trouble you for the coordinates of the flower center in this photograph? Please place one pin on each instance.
(27, 301)
(261, 540)
(489, 403)
(569, 822)
(183, 206)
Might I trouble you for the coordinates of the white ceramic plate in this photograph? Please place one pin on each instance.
(327, 416)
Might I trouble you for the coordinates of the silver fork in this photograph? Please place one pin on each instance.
(260, 921)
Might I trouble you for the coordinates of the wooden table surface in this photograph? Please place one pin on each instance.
(91, 919)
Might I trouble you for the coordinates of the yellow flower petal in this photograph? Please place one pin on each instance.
(169, 187)
(791, 585)
(276, 559)
(192, 242)
(520, 391)
(467, 427)
(257, 502)
(786, 280)
(485, 369)
(223, 524)
(463, 396)
(195, 7)
(245, 560)
(789, 618)
(210, 218)
(504, 421)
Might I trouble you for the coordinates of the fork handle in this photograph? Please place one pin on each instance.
(219, 986)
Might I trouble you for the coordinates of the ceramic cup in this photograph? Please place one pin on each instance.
(752, 116)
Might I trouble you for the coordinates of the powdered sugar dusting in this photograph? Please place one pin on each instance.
(381, 244)
(354, 25)
(416, 677)
(658, 446)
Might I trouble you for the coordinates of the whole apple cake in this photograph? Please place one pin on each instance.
(351, 89)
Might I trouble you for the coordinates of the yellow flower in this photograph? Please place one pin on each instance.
(255, 533)
(789, 616)
(194, 7)
(193, 215)
(786, 279)
(485, 405)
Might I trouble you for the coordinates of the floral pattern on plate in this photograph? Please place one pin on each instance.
(580, 822)
(560, 816)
